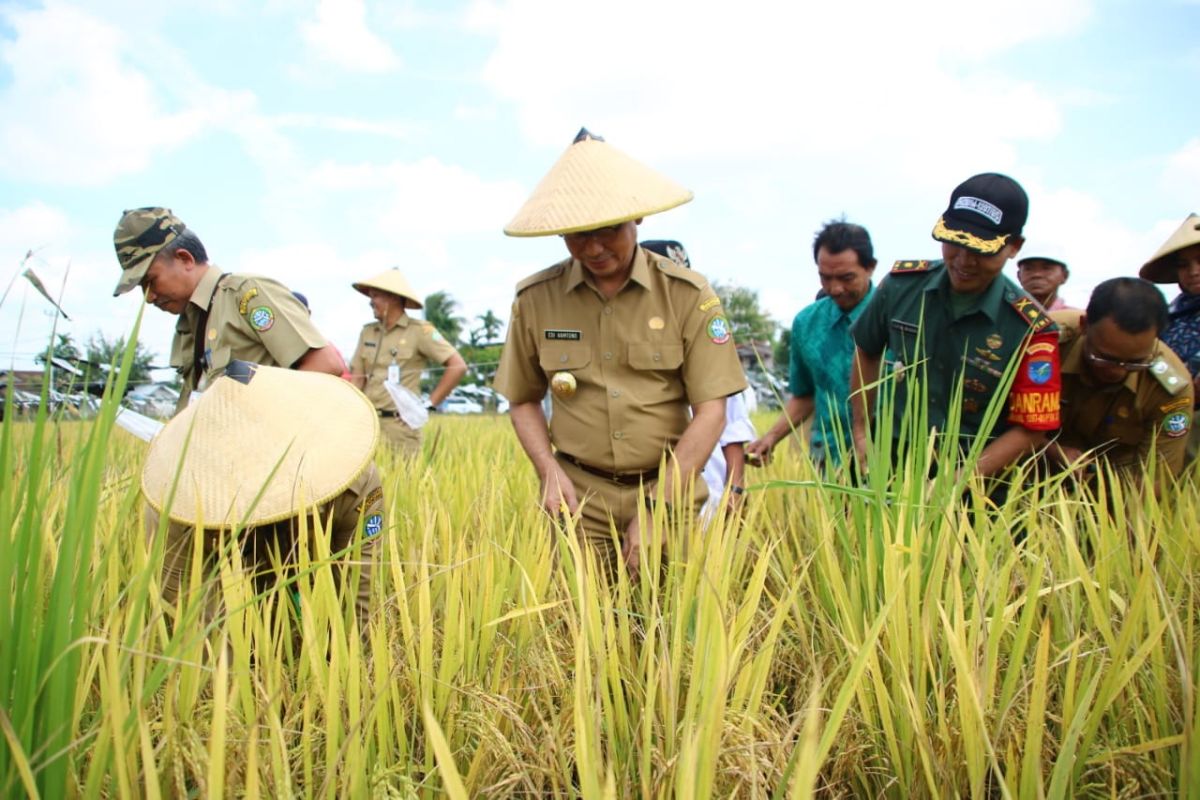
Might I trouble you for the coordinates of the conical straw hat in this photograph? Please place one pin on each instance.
(390, 280)
(299, 438)
(1160, 268)
(593, 185)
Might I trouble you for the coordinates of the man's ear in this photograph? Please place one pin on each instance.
(1014, 244)
(184, 259)
(1082, 324)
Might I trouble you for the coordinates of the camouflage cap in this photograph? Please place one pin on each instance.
(140, 234)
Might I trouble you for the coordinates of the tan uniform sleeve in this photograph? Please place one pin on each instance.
(711, 368)
(432, 346)
(280, 321)
(520, 378)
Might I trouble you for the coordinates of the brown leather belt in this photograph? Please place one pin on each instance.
(622, 478)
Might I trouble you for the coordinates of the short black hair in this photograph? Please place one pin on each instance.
(1133, 304)
(838, 235)
(190, 242)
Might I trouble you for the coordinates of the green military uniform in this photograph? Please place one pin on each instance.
(636, 363)
(408, 346)
(924, 325)
(250, 318)
(1149, 410)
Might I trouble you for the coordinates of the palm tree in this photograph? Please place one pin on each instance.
(490, 326)
(439, 310)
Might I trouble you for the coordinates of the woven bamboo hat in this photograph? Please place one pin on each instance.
(1161, 267)
(594, 185)
(390, 280)
(295, 438)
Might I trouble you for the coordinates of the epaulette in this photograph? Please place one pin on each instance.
(673, 270)
(1174, 377)
(905, 267)
(542, 276)
(1030, 311)
(1067, 321)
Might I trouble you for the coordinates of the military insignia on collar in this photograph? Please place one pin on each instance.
(262, 318)
(1028, 308)
(244, 303)
(910, 266)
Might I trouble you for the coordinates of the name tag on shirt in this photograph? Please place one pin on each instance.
(561, 336)
(905, 327)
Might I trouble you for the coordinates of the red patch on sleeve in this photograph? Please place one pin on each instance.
(1033, 402)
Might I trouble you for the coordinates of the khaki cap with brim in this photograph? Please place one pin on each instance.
(1161, 268)
(391, 281)
(298, 438)
(139, 235)
(594, 185)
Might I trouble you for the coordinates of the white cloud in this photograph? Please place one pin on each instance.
(78, 112)
(426, 198)
(340, 35)
(1181, 177)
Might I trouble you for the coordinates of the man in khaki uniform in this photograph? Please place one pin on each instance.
(1124, 393)
(626, 340)
(261, 447)
(222, 317)
(397, 347)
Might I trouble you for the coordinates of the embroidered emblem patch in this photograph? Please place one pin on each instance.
(710, 303)
(1040, 372)
(1176, 424)
(373, 525)
(262, 318)
(718, 330)
(244, 303)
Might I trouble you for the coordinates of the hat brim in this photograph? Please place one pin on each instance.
(131, 277)
(1161, 267)
(365, 286)
(973, 239)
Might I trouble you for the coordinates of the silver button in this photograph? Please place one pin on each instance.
(607, 356)
(608, 309)
(616, 434)
(657, 357)
(563, 359)
(616, 393)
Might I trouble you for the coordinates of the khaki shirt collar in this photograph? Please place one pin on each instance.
(203, 293)
(640, 274)
(401, 321)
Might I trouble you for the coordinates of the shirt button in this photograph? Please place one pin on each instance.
(608, 309)
(657, 357)
(608, 356)
(616, 393)
(563, 359)
(616, 434)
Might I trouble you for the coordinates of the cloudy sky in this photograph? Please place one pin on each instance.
(321, 141)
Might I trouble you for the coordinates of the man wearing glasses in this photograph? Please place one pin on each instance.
(1125, 394)
(627, 341)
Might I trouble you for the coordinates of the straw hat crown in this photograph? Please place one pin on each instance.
(593, 185)
(391, 280)
(260, 447)
(1161, 268)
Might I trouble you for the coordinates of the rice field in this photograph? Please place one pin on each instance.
(891, 641)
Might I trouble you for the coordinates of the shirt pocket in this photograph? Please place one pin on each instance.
(559, 356)
(655, 356)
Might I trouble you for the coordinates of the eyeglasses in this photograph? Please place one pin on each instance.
(604, 234)
(1128, 366)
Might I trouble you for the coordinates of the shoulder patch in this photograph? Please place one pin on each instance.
(902, 267)
(1031, 312)
(542, 276)
(1174, 377)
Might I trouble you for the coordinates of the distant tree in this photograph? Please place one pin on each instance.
(489, 327)
(749, 322)
(783, 349)
(439, 310)
(64, 349)
(101, 351)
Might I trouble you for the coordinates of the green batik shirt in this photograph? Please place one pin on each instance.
(821, 354)
(969, 337)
